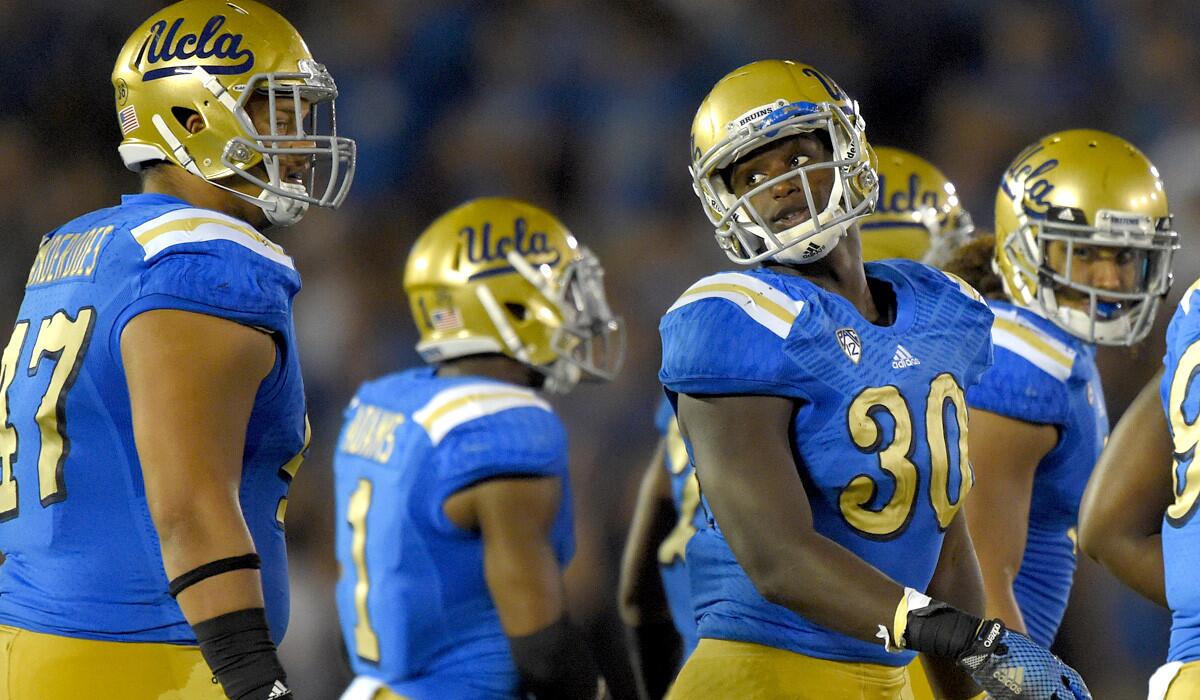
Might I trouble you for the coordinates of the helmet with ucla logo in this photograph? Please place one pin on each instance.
(502, 276)
(209, 58)
(1071, 201)
(760, 103)
(918, 215)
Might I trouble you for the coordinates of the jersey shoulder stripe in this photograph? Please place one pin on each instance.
(191, 225)
(760, 301)
(461, 404)
(1186, 302)
(966, 288)
(1045, 352)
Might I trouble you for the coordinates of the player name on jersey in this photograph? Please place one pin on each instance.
(371, 433)
(68, 255)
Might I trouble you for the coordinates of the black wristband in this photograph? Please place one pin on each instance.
(239, 650)
(940, 630)
(212, 568)
(554, 664)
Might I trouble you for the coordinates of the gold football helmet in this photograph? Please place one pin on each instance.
(760, 103)
(1084, 235)
(502, 276)
(918, 215)
(210, 57)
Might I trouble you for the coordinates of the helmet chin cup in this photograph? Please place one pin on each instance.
(813, 248)
(561, 377)
(281, 210)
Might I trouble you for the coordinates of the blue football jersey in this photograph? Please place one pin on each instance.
(1181, 529)
(1042, 374)
(83, 557)
(415, 609)
(876, 434)
(672, 552)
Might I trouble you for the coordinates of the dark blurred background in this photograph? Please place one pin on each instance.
(584, 108)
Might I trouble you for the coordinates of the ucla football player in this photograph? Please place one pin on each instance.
(453, 502)
(1083, 246)
(152, 413)
(1137, 517)
(918, 215)
(655, 597)
(822, 404)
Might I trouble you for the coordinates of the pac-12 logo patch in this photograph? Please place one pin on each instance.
(850, 342)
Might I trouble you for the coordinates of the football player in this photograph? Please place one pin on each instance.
(152, 413)
(453, 502)
(822, 405)
(1083, 246)
(918, 215)
(1137, 517)
(655, 597)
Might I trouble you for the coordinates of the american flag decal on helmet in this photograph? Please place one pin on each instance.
(445, 319)
(128, 119)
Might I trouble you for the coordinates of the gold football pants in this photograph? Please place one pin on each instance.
(35, 666)
(723, 669)
(1183, 684)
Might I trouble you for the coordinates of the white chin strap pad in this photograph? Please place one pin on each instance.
(284, 211)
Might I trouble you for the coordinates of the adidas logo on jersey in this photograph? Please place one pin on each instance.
(279, 690)
(1011, 677)
(903, 358)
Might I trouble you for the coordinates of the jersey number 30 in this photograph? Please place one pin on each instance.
(63, 341)
(895, 457)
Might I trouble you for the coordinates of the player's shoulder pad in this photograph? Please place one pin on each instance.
(194, 229)
(216, 263)
(725, 334)
(484, 405)
(1037, 347)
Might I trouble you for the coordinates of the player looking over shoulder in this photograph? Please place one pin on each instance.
(1083, 246)
(822, 405)
(453, 502)
(152, 412)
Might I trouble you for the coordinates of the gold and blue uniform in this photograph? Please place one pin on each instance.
(672, 552)
(83, 562)
(1044, 375)
(879, 438)
(1180, 678)
(415, 609)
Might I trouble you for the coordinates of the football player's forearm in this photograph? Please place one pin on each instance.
(191, 536)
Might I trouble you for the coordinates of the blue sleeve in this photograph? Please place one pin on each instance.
(1016, 388)
(522, 441)
(712, 347)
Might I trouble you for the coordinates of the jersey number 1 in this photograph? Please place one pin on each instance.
(63, 341)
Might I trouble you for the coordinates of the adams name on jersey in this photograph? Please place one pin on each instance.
(877, 433)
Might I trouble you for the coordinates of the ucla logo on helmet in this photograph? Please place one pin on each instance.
(483, 246)
(912, 198)
(1022, 173)
(168, 44)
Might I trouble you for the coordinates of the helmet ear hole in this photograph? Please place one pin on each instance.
(518, 311)
(183, 115)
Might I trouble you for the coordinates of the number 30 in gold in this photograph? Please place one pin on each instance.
(895, 458)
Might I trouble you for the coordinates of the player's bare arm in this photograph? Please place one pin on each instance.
(1005, 453)
(750, 478)
(192, 382)
(515, 518)
(956, 580)
(654, 643)
(1120, 518)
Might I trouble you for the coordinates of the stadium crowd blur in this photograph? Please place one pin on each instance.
(584, 107)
